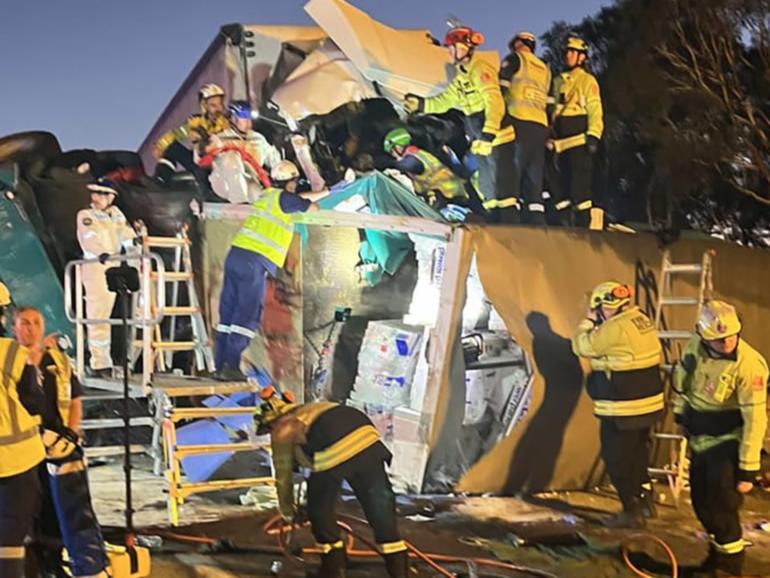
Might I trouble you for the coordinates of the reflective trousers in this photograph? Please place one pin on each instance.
(240, 305)
(19, 504)
(626, 455)
(99, 304)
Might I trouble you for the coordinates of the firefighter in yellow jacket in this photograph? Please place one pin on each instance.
(627, 390)
(577, 124)
(475, 91)
(722, 386)
(211, 120)
(336, 442)
(526, 81)
(21, 450)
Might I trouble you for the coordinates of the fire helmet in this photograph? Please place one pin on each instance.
(396, 137)
(284, 171)
(717, 320)
(463, 35)
(611, 294)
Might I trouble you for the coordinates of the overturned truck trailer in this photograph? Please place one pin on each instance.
(452, 430)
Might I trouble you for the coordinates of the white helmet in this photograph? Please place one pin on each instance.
(284, 171)
(210, 90)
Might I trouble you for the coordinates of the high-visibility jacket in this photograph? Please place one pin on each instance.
(579, 100)
(267, 230)
(625, 348)
(723, 399)
(475, 90)
(436, 176)
(527, 92)
(198, 126)
(21, 447)
(62, 370)
(321, 436)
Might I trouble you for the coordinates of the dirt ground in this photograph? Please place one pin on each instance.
(557, 534)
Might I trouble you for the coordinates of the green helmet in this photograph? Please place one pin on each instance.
(396, 137)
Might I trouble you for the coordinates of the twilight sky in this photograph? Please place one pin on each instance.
(97, 73)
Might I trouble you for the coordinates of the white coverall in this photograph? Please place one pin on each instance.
(101, 232)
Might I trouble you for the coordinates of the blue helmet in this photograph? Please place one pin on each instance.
(239, 109)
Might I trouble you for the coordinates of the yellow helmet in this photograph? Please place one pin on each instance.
(611, 295)
(284, 171)
(5, 295)
(526, 37)
(718, 320)
(575, 43)
(273, 406)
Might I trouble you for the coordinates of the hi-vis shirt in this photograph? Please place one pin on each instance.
(103, 232)
(723, 399)
(577, 95)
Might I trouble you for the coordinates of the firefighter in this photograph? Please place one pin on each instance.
(199, 127)
(21, 451)
(102, 230)
(476, 92)
(431, 179)
(67, 514)
(627, 390)
(5, 301)
(526, 82)
(577, 125)
(257, 250)
(721, 407)
(336, 442)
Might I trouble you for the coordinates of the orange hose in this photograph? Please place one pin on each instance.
(666, 548)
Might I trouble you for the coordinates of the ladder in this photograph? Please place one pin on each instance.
(164, 344)
(676, 470)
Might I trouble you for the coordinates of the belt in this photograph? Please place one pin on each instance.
(711, 423)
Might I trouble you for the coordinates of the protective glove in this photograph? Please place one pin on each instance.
(689, 363)
(593, 144)
(482, 148)
(454, 213)
(413, 103)
(103, 258)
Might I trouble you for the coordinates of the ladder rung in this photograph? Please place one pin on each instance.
(173, 275)
(198, 450)
(185, 310)
(105, 451)
(667, 367)
(101, 396)
(683, 268)
(679, 301)
(675, 334)
(169, 345)
(200, 412)
(184, 489)
(109, 423)
(164, 242)
(663, 471)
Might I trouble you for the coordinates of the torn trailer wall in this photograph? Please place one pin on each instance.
(539, 279)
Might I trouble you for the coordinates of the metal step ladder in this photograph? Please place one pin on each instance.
(164, 344)
(676, 471)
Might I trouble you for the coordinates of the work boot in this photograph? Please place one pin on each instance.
(535, 215)
(648, 508)
(227, 373)
(333, 564)
(582, 219)
(719, 565)
(397, 564)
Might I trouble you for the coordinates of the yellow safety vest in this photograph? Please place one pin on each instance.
(268, 230)
(724, 400)
(435, 177)
(627, 349)
(62, 370)
(528, 93)
(21, 447)
(577, 93)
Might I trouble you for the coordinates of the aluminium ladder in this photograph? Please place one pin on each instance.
(676, 471)
(164, 343)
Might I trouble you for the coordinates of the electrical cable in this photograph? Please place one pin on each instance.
(665, 546)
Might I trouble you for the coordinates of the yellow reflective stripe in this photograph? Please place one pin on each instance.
(561, 205)
(11, 552)
(629, 407)
(326, 548)
(341, 451)
(731, 548)
(509, 202)
(20, 436)
(504, 135)
(490, 204)
(584, 205)
(392, 547)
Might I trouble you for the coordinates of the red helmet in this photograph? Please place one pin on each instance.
(463, 35)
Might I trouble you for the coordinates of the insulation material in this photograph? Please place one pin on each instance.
(386, 363)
